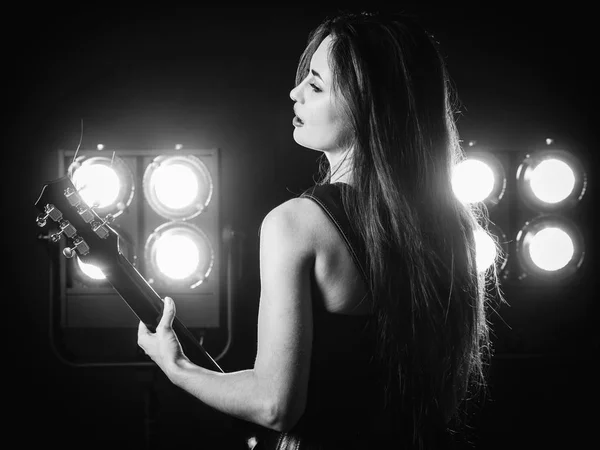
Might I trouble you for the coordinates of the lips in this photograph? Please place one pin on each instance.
(298, 117)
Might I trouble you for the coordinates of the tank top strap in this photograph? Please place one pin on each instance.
(329, 198)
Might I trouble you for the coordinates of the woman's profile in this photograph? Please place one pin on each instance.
(372, 325)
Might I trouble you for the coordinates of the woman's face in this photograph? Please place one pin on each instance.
(320, 122)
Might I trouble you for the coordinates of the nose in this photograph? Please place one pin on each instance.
(295, 93)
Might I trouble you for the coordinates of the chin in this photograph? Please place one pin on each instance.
(303, 142)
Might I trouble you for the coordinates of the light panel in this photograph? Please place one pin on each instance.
(550, 247)
(179, 253)
(104, 182)
(177, 187)
(550, 180)
(91, 320)
(480, 177)
(488, 244)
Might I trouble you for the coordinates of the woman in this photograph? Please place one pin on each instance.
(372, 320)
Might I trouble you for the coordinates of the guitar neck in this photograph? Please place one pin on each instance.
(147, 305)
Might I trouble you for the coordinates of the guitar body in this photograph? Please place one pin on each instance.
(92, 239)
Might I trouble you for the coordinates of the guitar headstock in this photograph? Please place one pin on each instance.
(88, 235)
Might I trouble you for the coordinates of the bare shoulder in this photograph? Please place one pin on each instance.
(299, 206)
(300, 216)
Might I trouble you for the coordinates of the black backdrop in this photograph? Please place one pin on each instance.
(220, 77)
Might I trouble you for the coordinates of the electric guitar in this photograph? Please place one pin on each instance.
(92, 239)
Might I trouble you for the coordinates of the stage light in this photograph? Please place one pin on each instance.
(550, 180)
(171, 235)
(479, 178)
(550, 247)
(97, 184)
(486, 252)
(104, 182)
(177, 187)
(488, 244)
(179, 253)
(90, 270)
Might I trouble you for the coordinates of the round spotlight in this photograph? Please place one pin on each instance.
(487, 245)
(179, 253)
(177, 187)
(104, 182)
(550, 247)
(549, 180)
(479, 178)
(552, 169)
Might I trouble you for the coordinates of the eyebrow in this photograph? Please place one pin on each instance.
(316, 74)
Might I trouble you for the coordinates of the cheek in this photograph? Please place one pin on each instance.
(339, 130)
(325, 127)
(323, 135)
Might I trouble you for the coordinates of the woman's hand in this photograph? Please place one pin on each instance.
(162, 347)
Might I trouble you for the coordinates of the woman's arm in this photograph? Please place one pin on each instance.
(273, 393)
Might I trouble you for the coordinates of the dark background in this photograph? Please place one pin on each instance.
(219, 77)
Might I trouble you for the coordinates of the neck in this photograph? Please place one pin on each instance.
(341, 168)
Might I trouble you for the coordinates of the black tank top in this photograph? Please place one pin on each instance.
(345, 400)
(345, 394)
(344, 390)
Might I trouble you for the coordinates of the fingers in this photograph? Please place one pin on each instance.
(166, 320)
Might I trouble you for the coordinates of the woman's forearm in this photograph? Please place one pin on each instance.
(240, 394)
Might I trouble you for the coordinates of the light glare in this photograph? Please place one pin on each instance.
(90, 270)
(552, 181)
(485, 250)
(176, 186)
(97, 184)
(472, 181)
(551, 249)
(177, 256)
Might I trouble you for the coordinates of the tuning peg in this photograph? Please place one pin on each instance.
(66, 228)
(99, 228)
(50, 211)
(55, 237)
(85, 213)
(72, 196)
(80, 245)
(41, 220)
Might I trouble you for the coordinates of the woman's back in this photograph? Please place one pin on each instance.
(345, 404)
(339, 277)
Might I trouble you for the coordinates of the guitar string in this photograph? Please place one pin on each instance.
(80, 139)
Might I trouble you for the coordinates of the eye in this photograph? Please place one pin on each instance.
(314, 87)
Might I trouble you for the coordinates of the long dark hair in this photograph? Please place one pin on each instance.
(430, 300)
